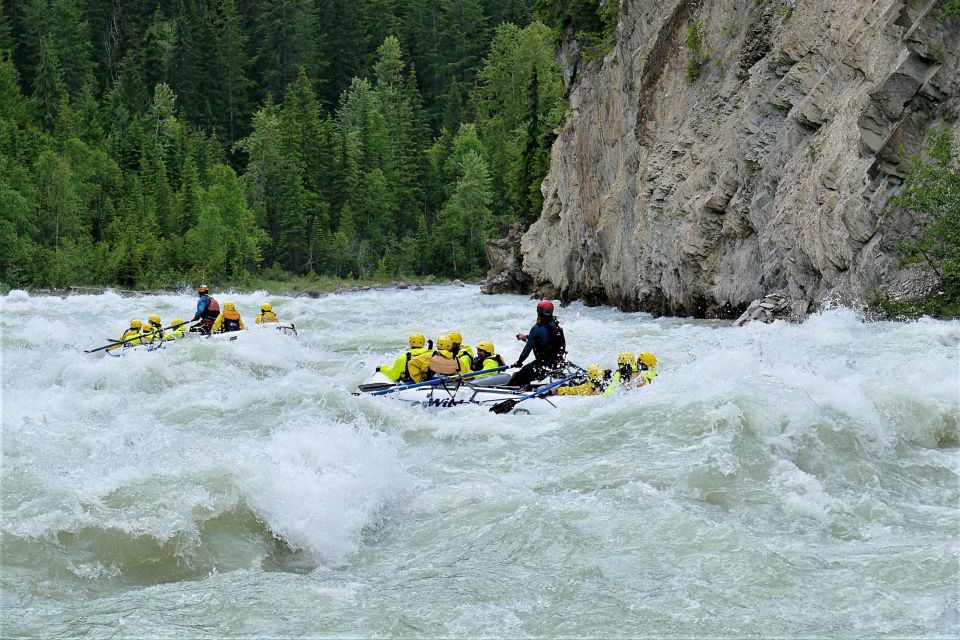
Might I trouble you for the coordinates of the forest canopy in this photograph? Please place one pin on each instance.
(155, 142)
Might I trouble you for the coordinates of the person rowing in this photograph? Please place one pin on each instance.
(547, 343)
(397, 372)
(208, 310)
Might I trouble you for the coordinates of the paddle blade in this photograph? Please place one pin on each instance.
(504, 407)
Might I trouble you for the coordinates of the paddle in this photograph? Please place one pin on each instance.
(116, 343)
(507, 405)
(438, 380)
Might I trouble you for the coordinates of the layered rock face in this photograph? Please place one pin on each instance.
(692, 180)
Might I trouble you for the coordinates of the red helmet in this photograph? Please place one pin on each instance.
(544, 308)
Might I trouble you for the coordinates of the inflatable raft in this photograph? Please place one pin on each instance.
(484, 392)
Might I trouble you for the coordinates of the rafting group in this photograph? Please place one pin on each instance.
(209, 319)
(448, 372)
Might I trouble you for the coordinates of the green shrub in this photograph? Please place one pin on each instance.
(932, 194)
(698, 58)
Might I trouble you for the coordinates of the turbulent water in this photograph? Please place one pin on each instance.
(787, 480)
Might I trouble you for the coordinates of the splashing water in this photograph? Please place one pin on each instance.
(787, 480)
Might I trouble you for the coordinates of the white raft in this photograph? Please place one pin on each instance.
(286, 328)
(456, 392)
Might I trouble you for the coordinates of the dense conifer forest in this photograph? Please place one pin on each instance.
(157, 142)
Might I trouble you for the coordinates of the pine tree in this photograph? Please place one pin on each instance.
(341, 47)
(6, 40)
(194, 67)
(289, 36)
(48, 89)
(158, 49)
(403, 164)
(464, 25)
(70, 34)
(306, 138)
(57, 200)
(275, 189)
(529, 204)
(232, 86)
(380, 20)
(465, 222)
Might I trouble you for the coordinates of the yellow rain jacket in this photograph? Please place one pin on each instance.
(398, 370)
(466, 356)
(175, 334)
(218, 323)
(266, 317)
(129, 333)
(616, 383)
(441, 362)
(588, 388)
(490, 362)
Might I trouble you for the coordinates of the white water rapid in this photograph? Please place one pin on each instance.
(775, 480)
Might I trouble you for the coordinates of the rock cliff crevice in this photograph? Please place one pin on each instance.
(696, 182)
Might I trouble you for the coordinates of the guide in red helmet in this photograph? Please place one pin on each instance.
(547, 343)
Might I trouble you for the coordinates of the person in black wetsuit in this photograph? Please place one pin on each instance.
(547, 343)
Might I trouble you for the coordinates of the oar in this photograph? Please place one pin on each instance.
(438, 380)
(116, 343)
(507, 405)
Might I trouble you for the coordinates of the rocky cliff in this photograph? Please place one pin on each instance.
(729, 149)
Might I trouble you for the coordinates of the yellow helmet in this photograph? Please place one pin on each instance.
(626, 358)
(486, 345)
(417, 340)
(155, 319)
(456, 337)
(647, 358)
(203, 289)
(266, 306)
(136, 324)
(594, 371)
(177, 322)
(444, 343)
(229, 306)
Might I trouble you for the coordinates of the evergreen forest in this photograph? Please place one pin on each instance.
(159, 142)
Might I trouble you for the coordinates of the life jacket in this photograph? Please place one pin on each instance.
(444, 363)
(413, 353)
(268, 316)
(212, 310)
(129, 333)
(490, 362)
(151, 333)
(231, 321)
(556, 348)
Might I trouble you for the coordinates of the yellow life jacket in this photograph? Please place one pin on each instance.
(267, 316)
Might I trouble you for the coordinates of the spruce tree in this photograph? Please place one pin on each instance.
(48, 89)
(289, 36)
(232, 87)
(70, 33)
(6, 40)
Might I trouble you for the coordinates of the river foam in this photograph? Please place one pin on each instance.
(775, 480)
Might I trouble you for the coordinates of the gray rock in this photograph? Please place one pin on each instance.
(774, 306)
(506, 273)
(771, 171)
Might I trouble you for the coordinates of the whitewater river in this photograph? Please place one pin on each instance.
(776, 480)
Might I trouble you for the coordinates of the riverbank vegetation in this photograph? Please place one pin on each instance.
(932, 195)
(150, 143)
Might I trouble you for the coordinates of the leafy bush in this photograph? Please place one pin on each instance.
(932, 194)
